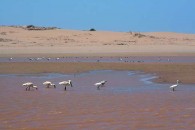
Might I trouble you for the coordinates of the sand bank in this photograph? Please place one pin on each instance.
(167, 72)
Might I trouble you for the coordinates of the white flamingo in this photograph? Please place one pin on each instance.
(48, 84)
(174, 86)
(29, 85)
(100, 84)
(66, 83)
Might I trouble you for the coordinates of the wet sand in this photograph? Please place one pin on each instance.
(166, 72)
(128, 101)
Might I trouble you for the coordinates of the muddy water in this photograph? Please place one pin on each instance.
(129, 100)
(131, 59)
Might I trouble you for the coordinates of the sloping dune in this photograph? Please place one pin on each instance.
(17, 40)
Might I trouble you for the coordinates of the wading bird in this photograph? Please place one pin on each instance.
(66, 83)
(29, 85)
(100, 84)
(48, 84)
(174, 86)
(10, 59)
(103, 82)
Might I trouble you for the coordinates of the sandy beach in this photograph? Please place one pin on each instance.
(58, 42)
(20, 42)
(137, 95)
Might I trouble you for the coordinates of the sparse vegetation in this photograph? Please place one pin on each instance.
(32, 27)
(3, 33)
(92, 29)
(121, 44)
(139, 35)
(5, 40)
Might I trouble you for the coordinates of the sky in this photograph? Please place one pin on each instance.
(107, 15)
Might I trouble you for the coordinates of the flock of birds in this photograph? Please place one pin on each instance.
(29, 85)
(120, 59)
(49, 84)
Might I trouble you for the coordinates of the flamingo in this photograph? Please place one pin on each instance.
(29, 85)
(48, 84)
(174, 86)
(66, 83)
(100, 84)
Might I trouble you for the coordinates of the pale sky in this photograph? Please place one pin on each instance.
(108, 15)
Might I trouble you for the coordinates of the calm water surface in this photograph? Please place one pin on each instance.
(129, 100)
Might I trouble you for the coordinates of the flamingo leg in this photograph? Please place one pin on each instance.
(173, 89)
(65, 88)
(98, 87)
(26, 88)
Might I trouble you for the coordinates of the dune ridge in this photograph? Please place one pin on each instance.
(58, 41)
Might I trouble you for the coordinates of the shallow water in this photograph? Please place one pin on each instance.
(131, 59)
(129, 100)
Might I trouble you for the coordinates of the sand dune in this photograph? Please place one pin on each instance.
(20, 41)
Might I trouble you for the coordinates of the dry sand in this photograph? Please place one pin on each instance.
(18, 41)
